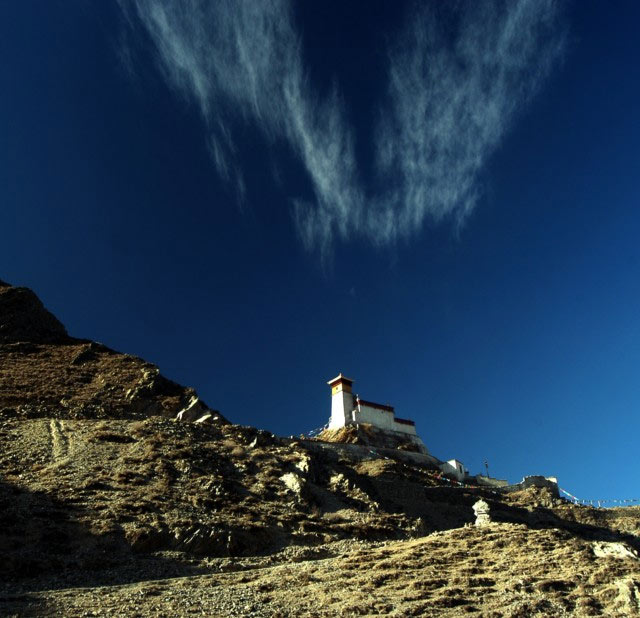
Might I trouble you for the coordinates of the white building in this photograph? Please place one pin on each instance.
(454, 468)
(347, 409)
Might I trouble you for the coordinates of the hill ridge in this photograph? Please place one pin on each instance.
(102, 489)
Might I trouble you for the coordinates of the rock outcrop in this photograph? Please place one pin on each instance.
(368, 435)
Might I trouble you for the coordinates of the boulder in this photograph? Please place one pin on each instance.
(293, 482)
(602, 549)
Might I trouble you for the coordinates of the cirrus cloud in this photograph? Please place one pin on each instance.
(451, 97)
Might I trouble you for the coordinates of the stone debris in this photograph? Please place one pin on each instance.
(195, 411)
(481, 510)
(263, 438)
(203, 418)
(602, 549)
(293, 482)
(629, 596)
(304, 465)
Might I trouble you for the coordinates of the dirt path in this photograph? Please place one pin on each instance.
(59, 440)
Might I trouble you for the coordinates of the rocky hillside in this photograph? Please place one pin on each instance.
(367, 435)
(111, 506)
(46, 373)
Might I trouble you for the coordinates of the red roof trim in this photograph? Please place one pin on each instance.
(404, 421)
(370, 404)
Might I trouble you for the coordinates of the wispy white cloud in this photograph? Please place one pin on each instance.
(241, 61)
(452, 95)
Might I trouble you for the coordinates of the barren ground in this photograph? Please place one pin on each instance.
(109, 506)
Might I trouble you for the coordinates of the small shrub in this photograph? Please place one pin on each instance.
(111, 436)
(335, 517)
(138, 428)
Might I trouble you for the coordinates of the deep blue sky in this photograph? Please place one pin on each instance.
(513, 337)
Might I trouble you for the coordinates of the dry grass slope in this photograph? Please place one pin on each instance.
(110, 507)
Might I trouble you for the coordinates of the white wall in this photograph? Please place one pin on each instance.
(410, 429)
(375, 416)
(344, 412)
(384, 419)
(454, 468)
(341, 406)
